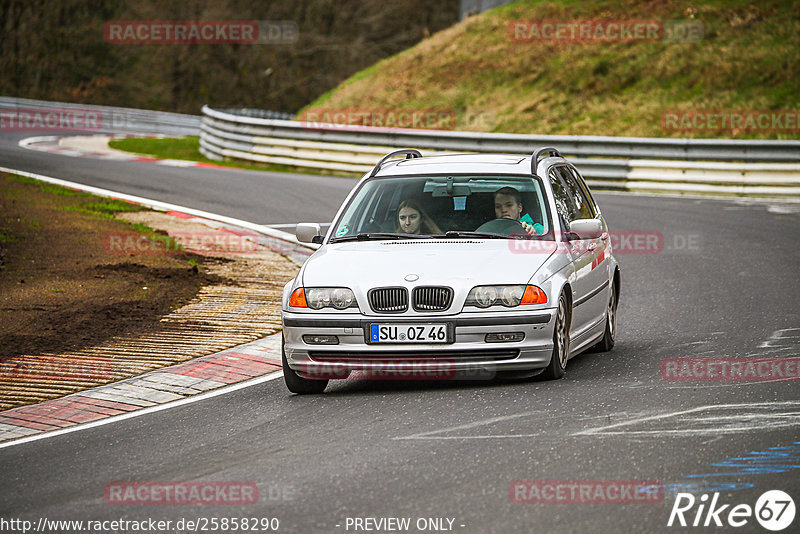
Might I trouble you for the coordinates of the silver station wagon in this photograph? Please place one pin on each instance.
(454, 266)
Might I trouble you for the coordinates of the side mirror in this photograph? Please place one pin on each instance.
(308, 233)
(586, 228)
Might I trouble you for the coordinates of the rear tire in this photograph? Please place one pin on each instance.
(296, 383)
(558, 361)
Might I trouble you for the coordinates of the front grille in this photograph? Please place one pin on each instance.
(388, 299)
(432, 298)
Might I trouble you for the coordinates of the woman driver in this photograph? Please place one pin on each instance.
(411, 219)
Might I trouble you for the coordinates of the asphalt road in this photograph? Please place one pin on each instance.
(722, 284)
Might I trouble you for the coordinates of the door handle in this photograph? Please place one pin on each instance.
(592, 246)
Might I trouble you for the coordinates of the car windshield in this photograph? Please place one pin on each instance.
(452, 205)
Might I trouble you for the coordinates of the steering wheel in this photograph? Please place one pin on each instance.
(501, 226)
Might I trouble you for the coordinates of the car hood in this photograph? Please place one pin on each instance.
(436, 262)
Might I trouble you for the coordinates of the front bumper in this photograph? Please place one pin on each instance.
(468, 350)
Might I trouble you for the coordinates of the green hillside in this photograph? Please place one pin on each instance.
(748, 59)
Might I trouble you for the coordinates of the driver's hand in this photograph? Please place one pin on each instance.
(528, 228)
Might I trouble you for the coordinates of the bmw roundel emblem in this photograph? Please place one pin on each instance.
(411, 278)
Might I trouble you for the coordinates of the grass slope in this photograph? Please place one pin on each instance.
(748, 59)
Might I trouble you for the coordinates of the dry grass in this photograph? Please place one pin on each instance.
(749, 59)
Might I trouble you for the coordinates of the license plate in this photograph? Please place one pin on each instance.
(407, 333)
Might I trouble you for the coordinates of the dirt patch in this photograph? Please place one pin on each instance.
(87, 299)
(60, 286)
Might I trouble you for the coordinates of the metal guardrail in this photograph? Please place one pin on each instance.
(751, 167)
(109, 119)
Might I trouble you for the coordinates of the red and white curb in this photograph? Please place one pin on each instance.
(99, 149)
(293, 252)
(169, 386)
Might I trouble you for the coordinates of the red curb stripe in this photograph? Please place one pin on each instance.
(240, 233)
(27, 424)
(78, 405)
(236, 366)
(237, 362)
(213, 374)
(180, 214)
(64, 411)
(37, 418)
(252, 357)
(85, 417)
(212, 166)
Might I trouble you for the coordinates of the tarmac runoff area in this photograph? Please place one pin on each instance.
(216, 340)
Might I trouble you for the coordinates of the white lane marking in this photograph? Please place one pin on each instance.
(778, 337)
(783, 210)
(26, 143)
(484, 422)
(791, 419)
(144, 411)
(487, 436)
(176, 163)
(689, 343)
(704, 386)
(165, 206)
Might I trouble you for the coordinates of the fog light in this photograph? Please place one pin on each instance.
(505, 337)
(320, 340)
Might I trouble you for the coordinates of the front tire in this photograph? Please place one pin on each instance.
(296, 383)
(610, 333)
(558, 361)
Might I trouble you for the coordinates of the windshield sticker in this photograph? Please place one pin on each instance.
(343, 229)
(459, 203)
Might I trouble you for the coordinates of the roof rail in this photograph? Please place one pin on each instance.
(548, 152)
(409, 152)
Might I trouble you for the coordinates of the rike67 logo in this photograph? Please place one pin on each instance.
(774, 510)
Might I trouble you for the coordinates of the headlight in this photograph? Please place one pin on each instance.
(317, 298)
(508, 296)
(485, 296)
(342, 298)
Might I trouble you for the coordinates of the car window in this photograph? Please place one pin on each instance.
(441, 203)
(582, 208)
(565, 204)
(578, 179)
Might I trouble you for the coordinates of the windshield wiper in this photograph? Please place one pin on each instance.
(453, 234)
(375, 235)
